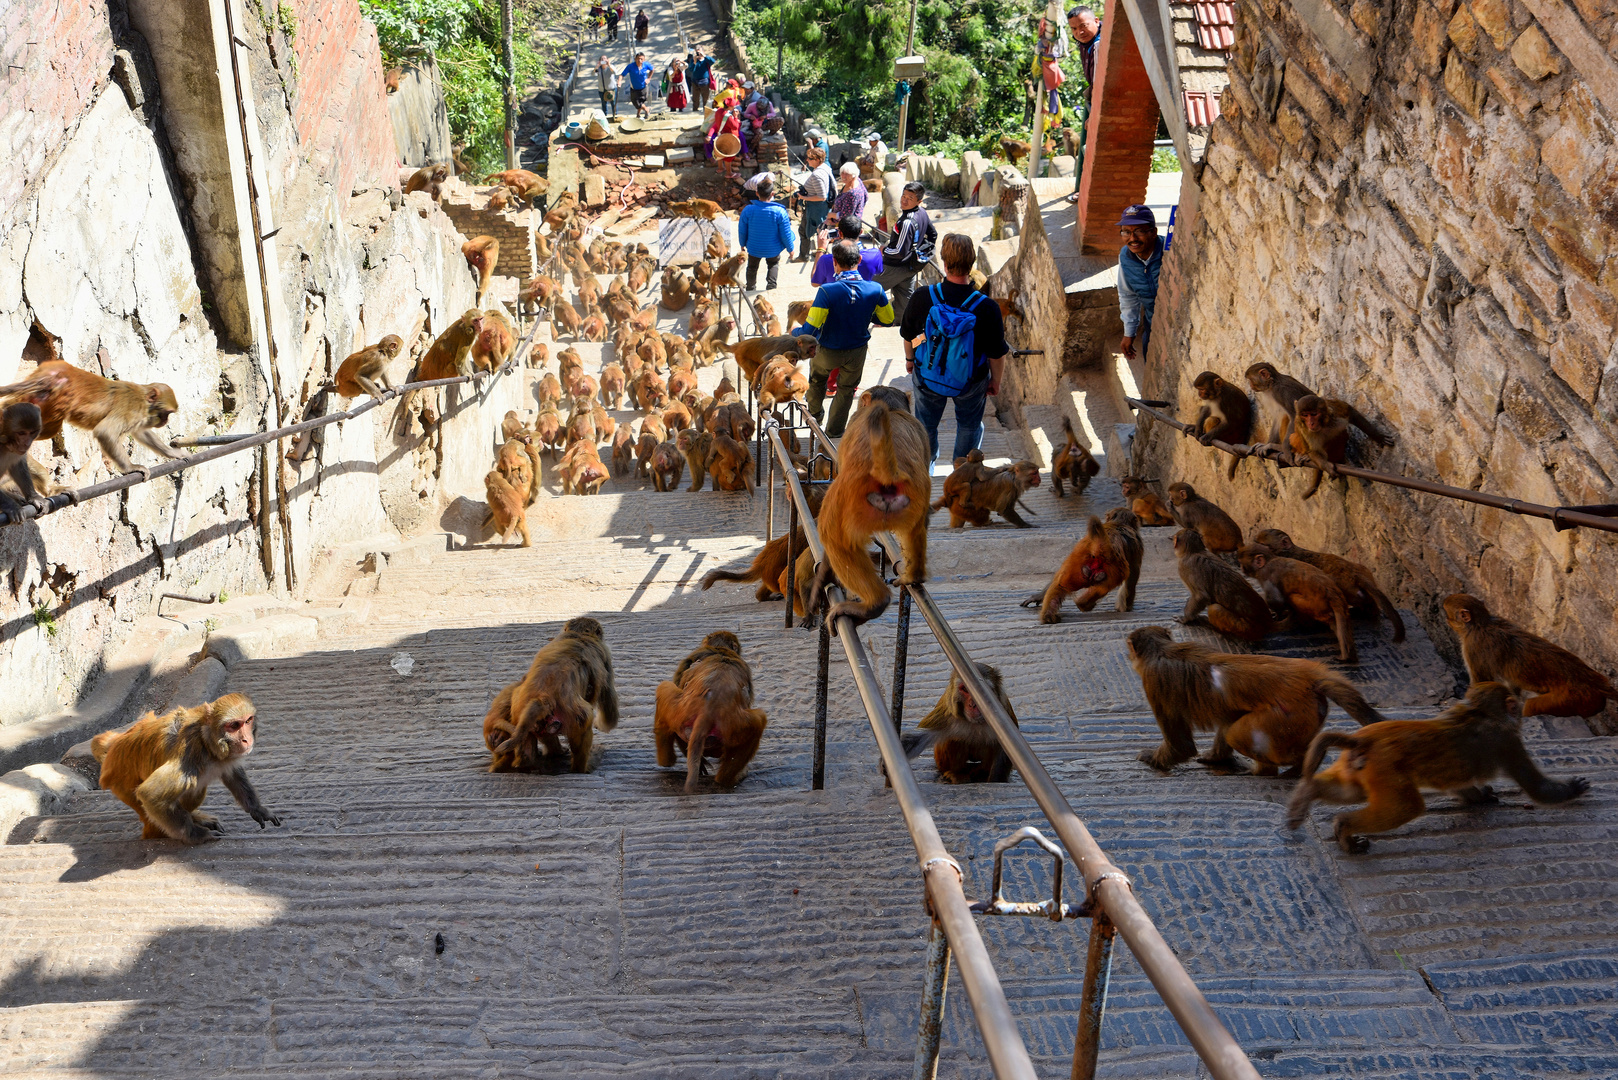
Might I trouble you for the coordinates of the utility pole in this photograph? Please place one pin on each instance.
(1053, 19)
(780, 41)
(904, 103)
(509, 56)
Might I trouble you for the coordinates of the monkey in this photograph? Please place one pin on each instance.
(605, 425)
(803, 580)
(161, 766)
(676, 289)
(703, 315)
(718, 247)
(652, 434)
(1073, 463)
(1498, 650)
(363, 371)
(536, 294)
(618, 311)
(612, 386)
(482, 255)
(429, 178)
(451, 353)
(19, 427)
(751, 353)
(589, 291)
(390, 80)
(667, 466)
(781, 381)
(511, 425)
(715, 340)
(1191, 511)
(965, 748)
(569, 364)
(1357, 583)
(1232, 606)
(696, 447)
(623, 452)
(1226, 414)
(735, 418)
(582, 389)
(1265, 707)
(681, 381)
(998, 491)
(798, 313)
(1388, 765)
(525, 184)
(639, 277)
(1107, 557)
(967, 470)
(108, 408)
(1289, 583)
(549, 390)
(883, 484)
(764, 313)
(1144, 502)
(705, 209)
(581, 425)
(650, 390)
(725, 276)
(518, 463)
(505, 508)
(768, 567)
(500, 198)
(653, 353)
(581, 469)
(564, 319)
(676, 416)
(1282, 392)
(548, 426)
(707, 711)
(1320, 433)
(1014, 148)
(730, 463)
(494, 342)
(559, 213)
(568, 692)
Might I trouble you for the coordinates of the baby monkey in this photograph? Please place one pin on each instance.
(161, 767)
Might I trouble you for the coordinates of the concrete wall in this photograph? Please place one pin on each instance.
(421, 133)
(101, 250)
(340, 107)
(1413, 208)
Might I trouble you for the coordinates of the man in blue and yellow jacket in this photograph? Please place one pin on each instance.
(843, 311)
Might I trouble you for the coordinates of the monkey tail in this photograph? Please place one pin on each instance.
(1318, 747)
(1349, 699)
(917, 743)
(1391, 613)
(103, 743)
(728, 575)
(1067, 426)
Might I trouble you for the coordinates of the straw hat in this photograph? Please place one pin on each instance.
(727, 146)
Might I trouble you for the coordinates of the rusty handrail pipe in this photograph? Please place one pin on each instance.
(1604, 518)
(251, 440)
(1104, 883)
(940, 872)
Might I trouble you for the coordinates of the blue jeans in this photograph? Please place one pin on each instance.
(968, 413)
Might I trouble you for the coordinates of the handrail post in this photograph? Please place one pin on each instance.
(930, 1028)
(792, 559)
(820, 691)
(1093, 1004)
(901, 654)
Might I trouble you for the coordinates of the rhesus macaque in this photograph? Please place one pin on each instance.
(702, 316)
(567, 693)
(676, 416)
(623, 452)
(668, 464)
(707, 711)
(505, 508)
(1388, 765)
(967, 469)
(612, 386)
(451, 353)
(1233, 607)
(494, 342)
(161, 766)
(994, 491)
(593, 328)
(19, 427)
(1265, 707)
(1073, 463)
(549, 391)
(1108, 556)
(706, 209)
(549, 428)
(751, 353)
(482, 254)
(428, 178)
(1192, 511)
(639, 277)
(1014, 148)
(965, 748)
(1498, 650)
(569, 364)
(365, 370)
(518, 462)
(500, 198)
(725, 276)
(715, 340)
(798, 313)
(696, 447)
(605, 425)
(1307, 590)
(536, 294)
(1145, 503)
(511, 425)
(582, 389)
(681, 381)
(768, 567)
(108, 408)
(1321, 434)
(650, 390)
(525, 184)
(581, 469)
(652, 434)
(581, 426)
(1226, 414)
(1359, 586)
(735, 418)
(676, 289)
(717, 247)
(763, 310)
(730, 463)
(561, 210)
(564, 319)
(1281, 391)
(781, 381)
(883, 483)
(390, 79)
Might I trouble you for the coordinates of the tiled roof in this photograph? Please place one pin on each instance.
(1201, 107)
(1216, 25)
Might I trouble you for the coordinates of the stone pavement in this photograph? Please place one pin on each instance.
(605, 925)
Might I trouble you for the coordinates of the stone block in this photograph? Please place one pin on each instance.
(681, 154)
(949, 178)
(1063, 165)
(1533, 55)
(1494, 17)
(1467, 91)
(595, 189)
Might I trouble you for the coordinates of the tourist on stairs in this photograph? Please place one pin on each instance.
(764, 231)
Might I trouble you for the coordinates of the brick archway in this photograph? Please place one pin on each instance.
(1118, 140)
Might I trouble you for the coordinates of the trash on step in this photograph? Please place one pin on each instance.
(403, 663)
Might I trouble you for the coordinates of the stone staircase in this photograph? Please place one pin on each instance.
(417, 916)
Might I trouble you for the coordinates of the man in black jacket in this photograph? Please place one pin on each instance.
(909, 249)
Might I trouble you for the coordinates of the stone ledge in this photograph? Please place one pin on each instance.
(36, 791)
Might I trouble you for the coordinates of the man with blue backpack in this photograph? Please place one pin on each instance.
(841, 316)
(962, 348)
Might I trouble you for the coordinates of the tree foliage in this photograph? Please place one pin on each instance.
(464, 36)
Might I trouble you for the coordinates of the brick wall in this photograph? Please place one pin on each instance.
(1412, 208)
(1118, 144)
(57, 57)
(514, 230)
(341, 108)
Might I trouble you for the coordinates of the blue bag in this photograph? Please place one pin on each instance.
(946, 359)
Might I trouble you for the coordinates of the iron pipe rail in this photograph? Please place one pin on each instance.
(1604, 518)
(1105, 884)
(940, 872)
(249, 441)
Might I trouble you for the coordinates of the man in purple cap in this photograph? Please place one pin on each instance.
(1139, 261)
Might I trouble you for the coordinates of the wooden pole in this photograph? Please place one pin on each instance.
(509, 58)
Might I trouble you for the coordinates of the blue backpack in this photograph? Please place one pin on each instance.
(946, 359)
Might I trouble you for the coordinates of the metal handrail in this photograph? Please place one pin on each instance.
(1106, 886)
(940, 872)
(128, 480)
(1603, 517)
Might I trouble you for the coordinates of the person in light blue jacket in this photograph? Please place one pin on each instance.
(1139, 261)
(765, 231)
